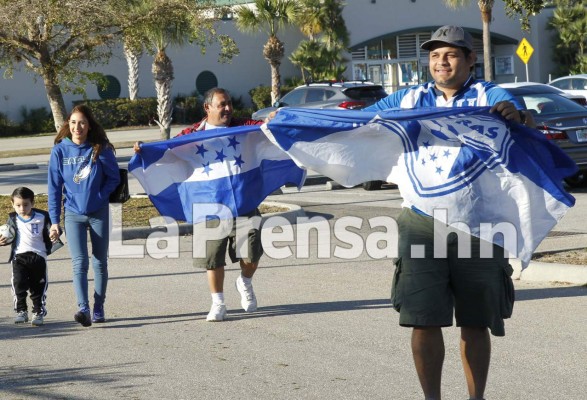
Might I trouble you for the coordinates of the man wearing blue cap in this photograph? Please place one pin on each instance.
(426, 291)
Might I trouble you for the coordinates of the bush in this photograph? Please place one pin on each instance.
(243, 113)
(113, 113)
(36, 120)
(187, 109)
(261, 96)
(6, 126)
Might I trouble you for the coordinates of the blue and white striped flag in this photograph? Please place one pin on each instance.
(466, 161)
(237, 167)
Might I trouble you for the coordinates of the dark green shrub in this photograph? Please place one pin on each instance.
(261, 96)
(187, 109)
(243, 113)
(138, 112)
(36, 120)
(113, 113)
(7, 128)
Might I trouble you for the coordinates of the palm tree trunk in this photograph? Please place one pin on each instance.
(163, 75)
(132, 60)
(486, 7)
(275, 82)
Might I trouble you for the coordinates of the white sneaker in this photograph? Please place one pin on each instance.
(248, 299)
(37, 319)
(21, 317)
(217, 313)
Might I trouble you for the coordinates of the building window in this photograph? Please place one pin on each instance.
(205, 81)
(111, 90)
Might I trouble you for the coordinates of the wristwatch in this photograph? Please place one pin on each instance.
(522, 117)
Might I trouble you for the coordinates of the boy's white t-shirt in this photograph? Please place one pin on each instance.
(30, 235)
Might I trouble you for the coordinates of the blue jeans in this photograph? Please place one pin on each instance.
(76, 230)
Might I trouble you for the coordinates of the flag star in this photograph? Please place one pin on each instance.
(423, 161)
(207, 168)
(447, 153)
(201, 150)
(220, 155)
(238, 161)
(232, 142)
(433, 157)
(439, 170)
(426, 144)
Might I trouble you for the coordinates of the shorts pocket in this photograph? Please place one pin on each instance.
(395, 288)
(507, 303)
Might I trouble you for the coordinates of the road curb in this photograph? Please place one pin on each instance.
(17, 167)
(551, 272)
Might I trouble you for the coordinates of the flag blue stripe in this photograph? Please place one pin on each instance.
(178, 181)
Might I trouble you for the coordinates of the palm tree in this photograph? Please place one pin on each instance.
(570, 22)
(269, 15)
(513, 7)
(132, 40)
(132, 55)
(159, 24)
(308, 57)
(322, 22)
(486, 7)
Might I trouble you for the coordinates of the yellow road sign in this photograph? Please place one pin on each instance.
(525, 50)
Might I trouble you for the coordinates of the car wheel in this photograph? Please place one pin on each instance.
(578, 180)
(372, 185)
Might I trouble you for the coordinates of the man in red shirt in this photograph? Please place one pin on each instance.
(218, 108)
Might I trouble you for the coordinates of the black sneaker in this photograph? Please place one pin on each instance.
(83, 317)
(98, 316)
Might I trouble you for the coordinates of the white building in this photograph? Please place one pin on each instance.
(385, 37)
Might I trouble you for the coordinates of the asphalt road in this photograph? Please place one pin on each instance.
(324, 330)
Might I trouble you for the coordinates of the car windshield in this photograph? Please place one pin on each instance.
(548, 104)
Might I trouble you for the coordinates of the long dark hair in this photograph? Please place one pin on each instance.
(96, 134)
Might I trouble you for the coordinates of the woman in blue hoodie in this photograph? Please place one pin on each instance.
(82, 173)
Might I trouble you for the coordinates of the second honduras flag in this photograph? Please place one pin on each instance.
(236, 167)
(466, 161)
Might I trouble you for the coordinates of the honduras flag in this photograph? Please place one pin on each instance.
(465, 161)
(236, 167)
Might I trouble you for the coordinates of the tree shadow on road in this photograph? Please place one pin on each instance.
(39, 381)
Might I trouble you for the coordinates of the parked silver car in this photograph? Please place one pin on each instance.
(561, 120)
(351, 95)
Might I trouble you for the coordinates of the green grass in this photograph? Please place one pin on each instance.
(135, 212)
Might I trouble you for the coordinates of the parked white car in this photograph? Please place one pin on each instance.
(547, 89)
(573, 84)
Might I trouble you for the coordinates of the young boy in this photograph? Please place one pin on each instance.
(30, 248)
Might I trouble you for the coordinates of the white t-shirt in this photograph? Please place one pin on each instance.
(30, 235)
(210, 126)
